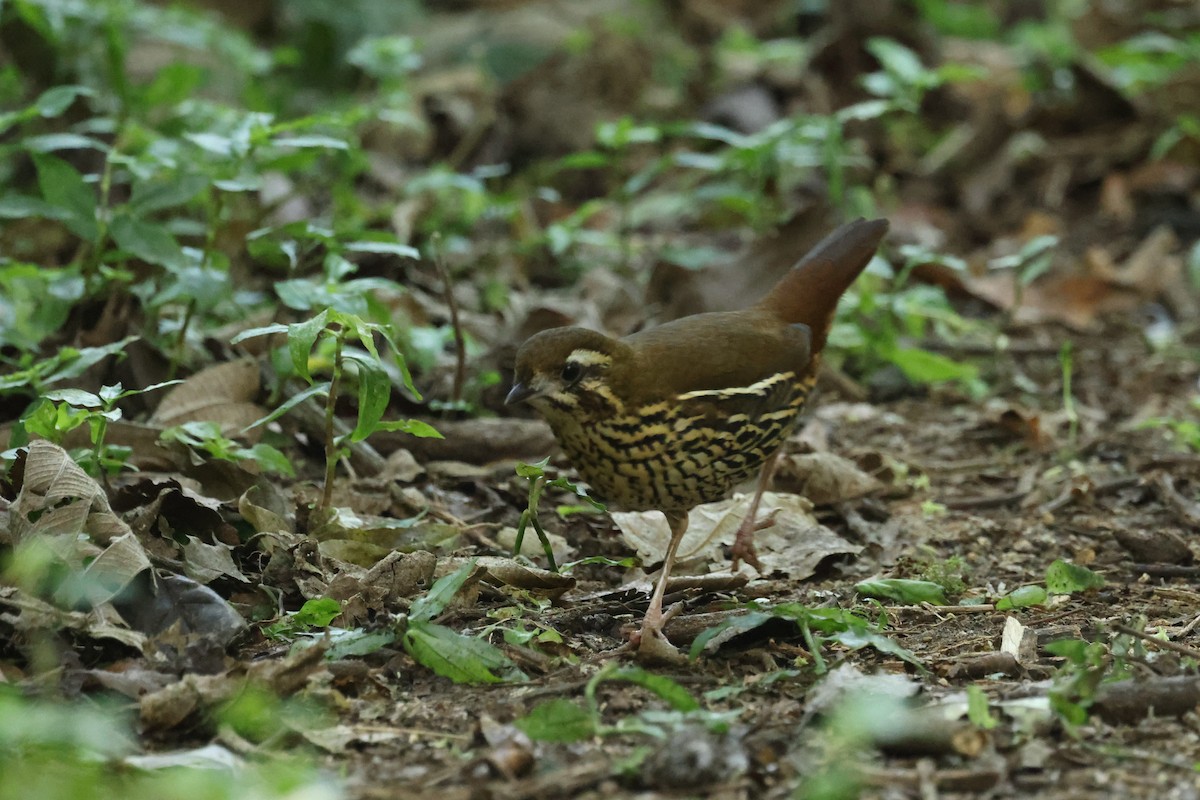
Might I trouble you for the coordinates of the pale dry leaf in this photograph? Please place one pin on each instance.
(28, 614)
(108, 575)
(507, 572)
(792, 546)
(58, 497)
(223, 394)
(207, 562)
(826, 478)
(265, 509)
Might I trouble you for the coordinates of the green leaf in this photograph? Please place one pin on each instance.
(537, 470)
(311, 141)
(667, 689)
(1074, 650)
(557, 720)
(71, 363)
(374, 391)
(921, 366)
(16, 206)
(75, 397)
(312, 391)
(55, 101)
(413, 427)
(441, 593)
(897, 59)
(462, 659)
(1022, 597)
(63, 187)
(358, 643)
(266, 330)
(382, 248)
(301, 338)
(1063, 577)
(159, 194)
(51, 142)
(977, 708)
(318, 612)
(738, 625)
(862, 637)
(149, 241)
(902, 590)
(271, 459)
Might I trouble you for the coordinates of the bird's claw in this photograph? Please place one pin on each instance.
(743, 544)
(651, 643)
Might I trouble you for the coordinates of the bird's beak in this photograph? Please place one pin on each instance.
(520, 392)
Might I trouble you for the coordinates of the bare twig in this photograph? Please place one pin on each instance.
(1174, 647)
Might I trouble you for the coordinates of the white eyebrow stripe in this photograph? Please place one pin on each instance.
(589, 358)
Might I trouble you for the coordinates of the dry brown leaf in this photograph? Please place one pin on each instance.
(223, 394)
(207, 562)
(793, 545)
(58, 497)
(826, 478)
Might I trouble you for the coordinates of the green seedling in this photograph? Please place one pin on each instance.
(207, 438)
(536, 475)
(817, 626)
(1184, 432)
(561, 720)
(374, 385)
(60, 411)
(450, 654)
(315, 613)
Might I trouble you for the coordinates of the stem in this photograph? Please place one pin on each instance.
(93, 260)
(460, 345)
(331, 448)
(814, 648)
(188, 314)
(1066, 360)
(98, 434)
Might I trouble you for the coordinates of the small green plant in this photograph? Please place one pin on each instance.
(60, 411)
(207, 438)
(536, 475)
(338, 329)
(1031, 262)
(75, 750)
(1086, 665)
(462, 659)
(903, 590)
(1062, 577)
(949, 573)
(561, 720)
(315, 613)
(35, 377)
(817, 626)
(1184, 432)
(875, 328)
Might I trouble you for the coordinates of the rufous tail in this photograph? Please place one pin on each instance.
(810, 291)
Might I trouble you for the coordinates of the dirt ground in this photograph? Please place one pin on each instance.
(1014, 496)
(1039, 282)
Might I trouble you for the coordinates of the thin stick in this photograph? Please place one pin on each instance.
(1175, 647)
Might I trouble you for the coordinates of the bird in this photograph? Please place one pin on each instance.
(674, 416)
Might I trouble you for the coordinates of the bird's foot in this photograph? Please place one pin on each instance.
(652, 645)
(743, 544)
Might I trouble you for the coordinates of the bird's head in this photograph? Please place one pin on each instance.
(567, 370)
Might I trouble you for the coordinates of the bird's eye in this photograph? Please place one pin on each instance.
(571, 372)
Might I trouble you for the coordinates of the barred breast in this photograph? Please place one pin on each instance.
(680, 452)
